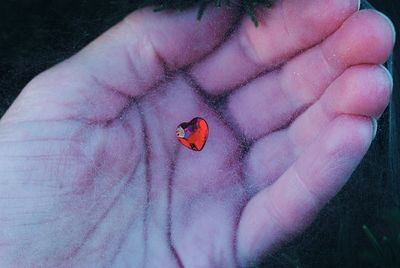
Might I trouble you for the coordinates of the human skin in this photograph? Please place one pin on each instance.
(92, 175)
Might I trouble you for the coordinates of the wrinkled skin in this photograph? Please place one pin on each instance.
(92, 174)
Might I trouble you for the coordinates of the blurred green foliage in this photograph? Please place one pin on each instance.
(247, 6)
(384, 249)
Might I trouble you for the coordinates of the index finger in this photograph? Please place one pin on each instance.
(123, 63)
(135, 54)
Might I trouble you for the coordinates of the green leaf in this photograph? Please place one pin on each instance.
(373, 240)
(202, 7)
(249, 8)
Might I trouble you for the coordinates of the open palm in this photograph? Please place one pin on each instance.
(91, 173)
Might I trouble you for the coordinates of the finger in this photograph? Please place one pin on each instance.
(272, 101)
(285, 208)
(282, 33)
(133, 56)
(124, 62)
(361, 90)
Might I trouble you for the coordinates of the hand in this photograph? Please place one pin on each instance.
(92, 174)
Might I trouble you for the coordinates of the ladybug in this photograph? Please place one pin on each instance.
(193, 135)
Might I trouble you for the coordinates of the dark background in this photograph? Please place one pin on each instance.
(36, 34)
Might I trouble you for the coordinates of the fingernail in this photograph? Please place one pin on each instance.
(389, 76)
(390, 24)
(390, 80)
(374, 127)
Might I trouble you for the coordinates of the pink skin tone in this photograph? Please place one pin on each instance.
(92, 173)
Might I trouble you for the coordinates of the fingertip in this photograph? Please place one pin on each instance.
(361, 90)
(350, 135)
(365, 37)
(377, 31)
(389, 23)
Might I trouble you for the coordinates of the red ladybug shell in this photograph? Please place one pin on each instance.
(195, 134)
